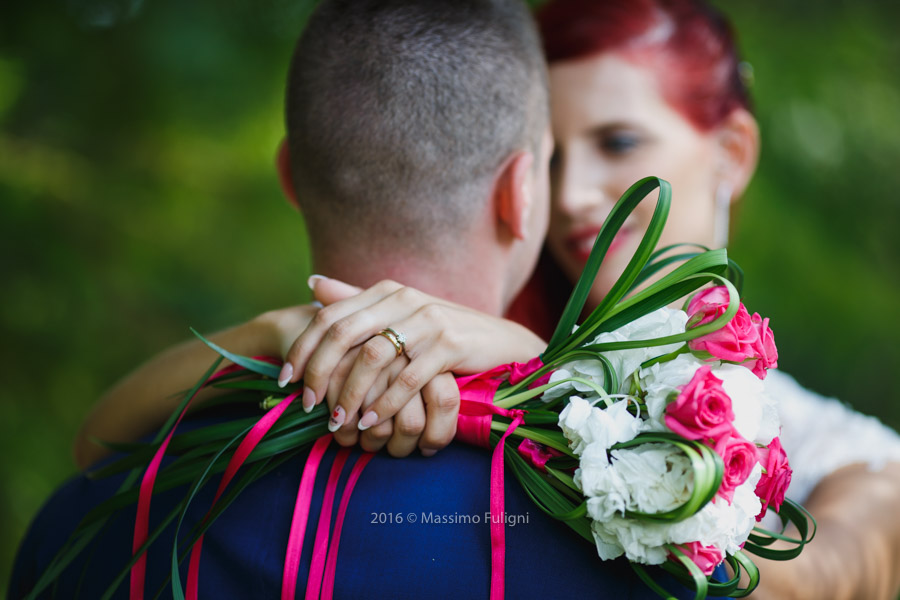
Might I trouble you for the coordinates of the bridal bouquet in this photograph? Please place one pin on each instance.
(677, 445)
(645, 429)
(648, 429)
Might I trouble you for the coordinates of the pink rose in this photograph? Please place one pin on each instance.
(776, 478)
(707, 558)
(714, 296)
(702, 409)
(739, 457)
(766, 352)
(736, 341)
(744, 340)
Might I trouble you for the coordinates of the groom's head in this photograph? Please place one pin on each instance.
(405, 116)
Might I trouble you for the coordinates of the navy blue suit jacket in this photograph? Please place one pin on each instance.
(441, 549)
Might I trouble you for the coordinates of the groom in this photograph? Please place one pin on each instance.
(418, 151)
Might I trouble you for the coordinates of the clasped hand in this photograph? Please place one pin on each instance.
(379, 397)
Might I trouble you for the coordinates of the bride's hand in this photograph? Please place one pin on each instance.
(441, 338)
(404, 432)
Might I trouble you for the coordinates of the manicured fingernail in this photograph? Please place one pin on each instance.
(428, 453)
(287, 371)
(317, 304)
(309, 400)
(313, 280)
(369, 419)
(337, 419)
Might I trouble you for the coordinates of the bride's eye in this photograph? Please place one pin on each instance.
(619, 143)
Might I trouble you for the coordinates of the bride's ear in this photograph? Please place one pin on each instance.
(513, 198)
(283, 166)
(739, 143)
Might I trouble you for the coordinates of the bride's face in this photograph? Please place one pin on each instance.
(612, 127)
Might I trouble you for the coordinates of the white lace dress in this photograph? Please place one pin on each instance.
(822, 435)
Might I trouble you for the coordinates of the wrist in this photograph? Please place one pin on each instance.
(276, 330)
(266, 333)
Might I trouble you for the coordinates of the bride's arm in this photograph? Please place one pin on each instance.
(145, 398)
(443, 337)
(857, 546)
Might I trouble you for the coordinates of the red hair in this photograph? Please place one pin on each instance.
(689, 44)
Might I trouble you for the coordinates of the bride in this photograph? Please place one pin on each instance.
(656, 88)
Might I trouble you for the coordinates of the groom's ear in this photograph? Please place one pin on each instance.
(283, 166)
(513, 198)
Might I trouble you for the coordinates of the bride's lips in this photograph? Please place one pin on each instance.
(580, 242)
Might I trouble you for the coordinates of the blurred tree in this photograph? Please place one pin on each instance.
(138, 198)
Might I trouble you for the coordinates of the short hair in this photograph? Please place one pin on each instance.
(400, 111)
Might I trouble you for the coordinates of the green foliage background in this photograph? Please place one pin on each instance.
(138, 197)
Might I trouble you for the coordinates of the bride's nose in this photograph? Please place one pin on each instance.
(577, 185)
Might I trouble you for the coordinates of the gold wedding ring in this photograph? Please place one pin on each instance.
(397, 339)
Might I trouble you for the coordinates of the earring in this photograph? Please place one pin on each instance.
(722, 216)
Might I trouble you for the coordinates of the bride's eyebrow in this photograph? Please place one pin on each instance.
(607, 127)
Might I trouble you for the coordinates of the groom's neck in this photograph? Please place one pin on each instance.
(469, 281)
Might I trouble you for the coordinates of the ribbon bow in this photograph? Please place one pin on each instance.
(476, 409)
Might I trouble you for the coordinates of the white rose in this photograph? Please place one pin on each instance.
(725, 526)
(746, 505)
(658, 476)
(755, 412)
(605, 506)
(591, 370)
(606, 491)
(583, 423)
(643, 542)
(608, 426)
(573, 420)
(608, 547)
(659, 323)
(560, 390)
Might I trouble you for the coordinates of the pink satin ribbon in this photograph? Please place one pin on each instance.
(331, 563)
(481, 410)
(142, 519)
(301, 515)
(322, 570)
(320, 545)
(320, 581)
(250, 441)
(537, 454)
(474, 427)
